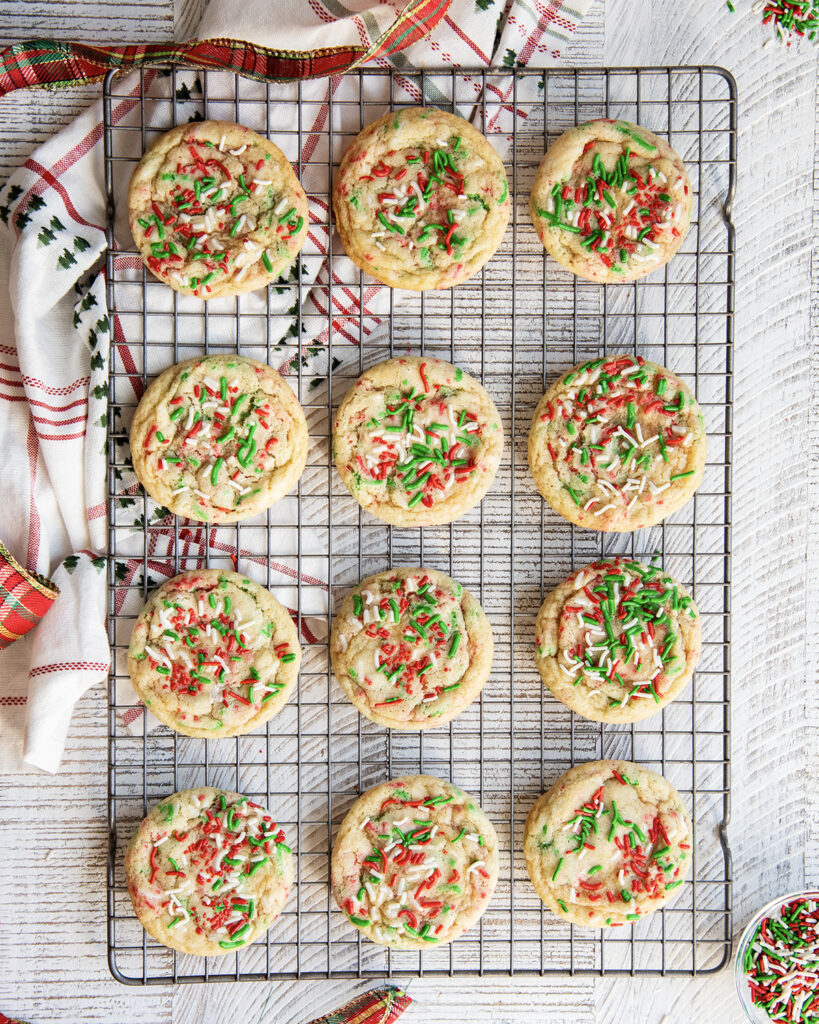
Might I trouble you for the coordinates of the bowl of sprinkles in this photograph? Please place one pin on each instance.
(777, 964)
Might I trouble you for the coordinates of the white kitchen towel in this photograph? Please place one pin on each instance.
(55, 338)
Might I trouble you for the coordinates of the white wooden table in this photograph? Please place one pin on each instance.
(52, 899)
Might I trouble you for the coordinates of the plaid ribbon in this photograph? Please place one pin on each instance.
(47, 63)
(10, 1020)
(25, 597)
(379, 1006)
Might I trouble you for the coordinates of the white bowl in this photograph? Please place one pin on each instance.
(754, 1013)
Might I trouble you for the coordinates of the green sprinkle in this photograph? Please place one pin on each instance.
(557, 869)
(253, 868)
(680, 476)
(268, 266)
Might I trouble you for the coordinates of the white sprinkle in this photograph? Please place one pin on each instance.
(164, 839)
(281, 206)
(474, 866)
(239, 151)
(157, 656)
(605, 508)
(222, 144)
(200, 493)
(179, 490)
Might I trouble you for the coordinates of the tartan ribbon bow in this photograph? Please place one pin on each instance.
(47, 63)
(378, 1006)
(25, 597)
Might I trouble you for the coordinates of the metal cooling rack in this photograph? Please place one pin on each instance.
(515, 326)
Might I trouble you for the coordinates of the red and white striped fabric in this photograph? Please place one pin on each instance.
(54, 350)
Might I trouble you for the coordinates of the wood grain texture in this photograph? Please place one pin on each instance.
(776, 544)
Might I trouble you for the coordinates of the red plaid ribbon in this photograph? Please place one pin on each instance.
(45, 62)
(25, 597)
(380, 1006)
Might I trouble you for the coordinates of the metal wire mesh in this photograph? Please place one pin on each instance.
(515, 326)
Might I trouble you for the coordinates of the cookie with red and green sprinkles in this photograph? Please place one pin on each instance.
(608, 844)
(214, 654)
(215, 209)
(411, 648)
(417, 441)
(219, 438)
(414, 863)
(208, 871)
(611, 201)
(421, 199)
(617, 444)
(617, 640)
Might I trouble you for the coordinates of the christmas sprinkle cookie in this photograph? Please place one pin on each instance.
(611, 201)
(411, 648)
(617, 640)
(617, 444)
(414, 863)
(219, 438)
(609, 844)
(214, 654)
(215, 209)
(208, 871)
(421, 199)
(417, 441)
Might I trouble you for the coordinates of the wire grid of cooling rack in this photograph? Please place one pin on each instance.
(515, 326)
